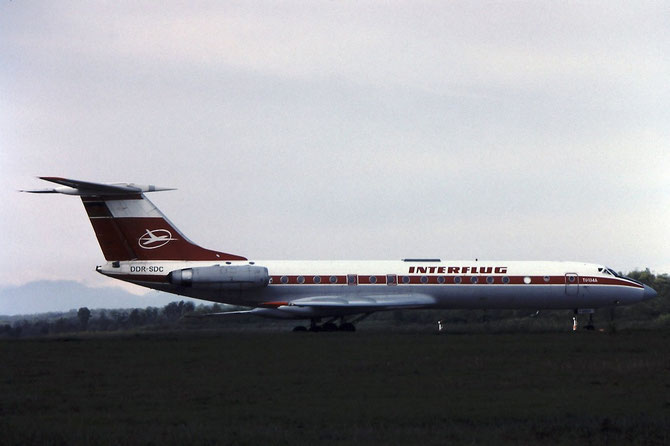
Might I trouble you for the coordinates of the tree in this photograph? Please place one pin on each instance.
(172, 310)
(135, 318)
(84, 314)
(103, 321)
(151, 315)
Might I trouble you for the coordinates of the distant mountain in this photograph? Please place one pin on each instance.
(64, 295)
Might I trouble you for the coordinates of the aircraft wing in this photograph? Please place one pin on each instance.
(329, 306)
(365, 303)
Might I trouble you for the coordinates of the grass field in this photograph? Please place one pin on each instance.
(337, 388)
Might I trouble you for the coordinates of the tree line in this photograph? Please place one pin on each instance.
(84, 319)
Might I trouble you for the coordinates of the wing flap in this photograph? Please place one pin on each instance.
(370, 303)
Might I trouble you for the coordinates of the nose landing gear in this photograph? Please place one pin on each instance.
(589, 326)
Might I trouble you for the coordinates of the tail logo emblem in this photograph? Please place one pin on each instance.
(155, 239)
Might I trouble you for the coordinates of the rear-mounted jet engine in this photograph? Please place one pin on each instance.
(243, 277)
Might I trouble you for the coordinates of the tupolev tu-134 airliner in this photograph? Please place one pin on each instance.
(143, 247)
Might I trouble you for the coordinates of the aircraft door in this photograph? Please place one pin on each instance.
(571, 284)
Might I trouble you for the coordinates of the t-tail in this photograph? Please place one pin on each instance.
(130, 227)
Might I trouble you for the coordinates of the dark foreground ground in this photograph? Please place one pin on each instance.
(337, 388)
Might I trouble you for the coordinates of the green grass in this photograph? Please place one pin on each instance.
(335, 388)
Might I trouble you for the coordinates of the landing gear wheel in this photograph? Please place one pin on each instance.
(347, 327)
(314, 326)
(329, 326)
(299, 328)
(590, 325)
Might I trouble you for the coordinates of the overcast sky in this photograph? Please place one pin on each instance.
(342, 130)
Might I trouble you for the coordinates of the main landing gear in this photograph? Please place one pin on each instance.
(589, 326)
(331, 325)
(328, 326)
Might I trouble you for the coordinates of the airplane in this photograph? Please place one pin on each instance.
(143, 247)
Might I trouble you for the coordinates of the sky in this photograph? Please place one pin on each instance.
(342, 129)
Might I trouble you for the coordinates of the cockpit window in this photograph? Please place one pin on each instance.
(609, 271)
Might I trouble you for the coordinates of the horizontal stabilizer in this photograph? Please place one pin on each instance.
(88, 189)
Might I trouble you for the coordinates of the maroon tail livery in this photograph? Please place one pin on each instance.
(132, 228)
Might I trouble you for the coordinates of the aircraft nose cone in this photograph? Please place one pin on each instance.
(649, 292)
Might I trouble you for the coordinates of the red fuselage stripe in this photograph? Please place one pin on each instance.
(412, 280)
(446, 280)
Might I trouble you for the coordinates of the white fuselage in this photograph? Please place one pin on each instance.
(437, 284)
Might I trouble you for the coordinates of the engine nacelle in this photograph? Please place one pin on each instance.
(237, 277)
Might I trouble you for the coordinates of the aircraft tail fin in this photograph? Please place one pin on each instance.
(130, 227)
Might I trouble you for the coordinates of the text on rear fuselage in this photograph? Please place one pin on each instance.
(146, 269)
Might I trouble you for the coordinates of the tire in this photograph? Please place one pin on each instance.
(329, 326)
